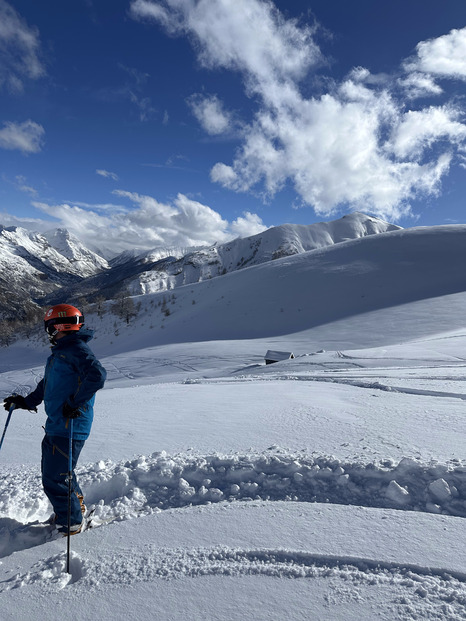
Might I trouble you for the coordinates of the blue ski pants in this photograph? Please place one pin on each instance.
(54, 465)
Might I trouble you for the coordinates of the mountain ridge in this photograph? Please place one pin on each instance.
(141, 274)
(34, 265)
(39, 269)
(302, 298)
(301, 292)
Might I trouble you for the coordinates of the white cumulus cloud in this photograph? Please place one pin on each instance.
(418, 130)
(211, 114)
(444, 56)
(355, 145)
(247, 224)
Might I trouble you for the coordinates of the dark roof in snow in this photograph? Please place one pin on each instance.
(278, 355)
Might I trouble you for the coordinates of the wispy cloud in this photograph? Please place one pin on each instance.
(131, 88)
(172, 163)
(134, 91)
(23, 186)
(417, 84)
(27, 137)
(107, 174)
(32, 224)
(109, 208)
(355, 145)
(20, 50)
(249, 36)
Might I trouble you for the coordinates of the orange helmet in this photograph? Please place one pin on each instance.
(62, 318)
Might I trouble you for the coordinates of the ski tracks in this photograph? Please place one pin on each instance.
(150, 484)
(415, 592)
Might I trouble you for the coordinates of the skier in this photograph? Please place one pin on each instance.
(72, 377)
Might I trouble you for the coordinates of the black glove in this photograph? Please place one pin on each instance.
(17, 400)
(70, 412)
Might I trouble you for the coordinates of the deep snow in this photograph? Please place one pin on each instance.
(332, 486)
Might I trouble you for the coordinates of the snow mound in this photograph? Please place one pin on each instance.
(147, 485)
(161, 481)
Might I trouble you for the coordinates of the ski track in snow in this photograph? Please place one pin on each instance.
(416, 591)
(145, 485)
(377, 386)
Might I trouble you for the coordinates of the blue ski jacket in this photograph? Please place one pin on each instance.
(73, 375)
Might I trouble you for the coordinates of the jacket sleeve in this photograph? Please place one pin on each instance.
(36, 396)
(91, 377)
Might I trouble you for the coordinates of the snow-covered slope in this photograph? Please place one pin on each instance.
(56, 265)
(331, 486)
(301, 292)
(144, 275)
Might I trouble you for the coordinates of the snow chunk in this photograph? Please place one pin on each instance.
(99, 466)
(397, 494)
(440, 490)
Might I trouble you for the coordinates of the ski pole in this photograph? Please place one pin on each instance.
(10, 412)
(70, 473)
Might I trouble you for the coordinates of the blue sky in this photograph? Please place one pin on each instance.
(183, 122)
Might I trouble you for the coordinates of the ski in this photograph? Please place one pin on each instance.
(86, 524)
(55, 533)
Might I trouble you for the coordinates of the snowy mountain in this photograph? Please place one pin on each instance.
(56, 252)
(83, 261)
(34, 265)
(148, 273)
(304, 291)
(47, 268)
(274, 243)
